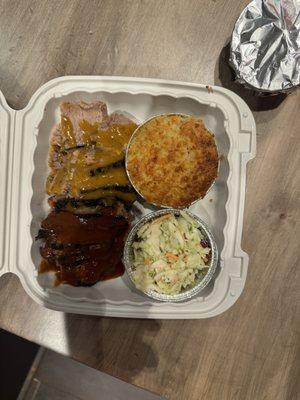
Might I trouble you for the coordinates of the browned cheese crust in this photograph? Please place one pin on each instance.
(173, 160)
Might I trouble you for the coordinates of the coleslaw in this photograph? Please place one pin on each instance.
(170, 253)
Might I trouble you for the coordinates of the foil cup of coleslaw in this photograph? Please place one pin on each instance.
(164, 267)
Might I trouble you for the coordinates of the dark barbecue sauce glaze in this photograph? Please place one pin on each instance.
(82, 249)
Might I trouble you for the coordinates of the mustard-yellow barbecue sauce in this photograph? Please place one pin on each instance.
(95, 164)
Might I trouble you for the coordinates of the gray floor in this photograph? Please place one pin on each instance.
(55, 377)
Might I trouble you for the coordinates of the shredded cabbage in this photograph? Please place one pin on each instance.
(169, 254)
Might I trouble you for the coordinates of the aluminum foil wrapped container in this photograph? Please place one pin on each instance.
(265, 46)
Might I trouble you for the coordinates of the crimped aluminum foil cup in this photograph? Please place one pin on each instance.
(135, 133)
(199, 284)
(265, 46)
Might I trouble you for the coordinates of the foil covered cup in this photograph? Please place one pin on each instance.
(265, 46)
(200, 282)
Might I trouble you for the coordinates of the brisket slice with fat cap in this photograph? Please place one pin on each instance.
(92, 113)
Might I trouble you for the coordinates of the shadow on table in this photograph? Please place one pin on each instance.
(225, 76)
(118, 346)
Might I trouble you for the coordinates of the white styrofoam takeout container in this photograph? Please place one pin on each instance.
(24, 145)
